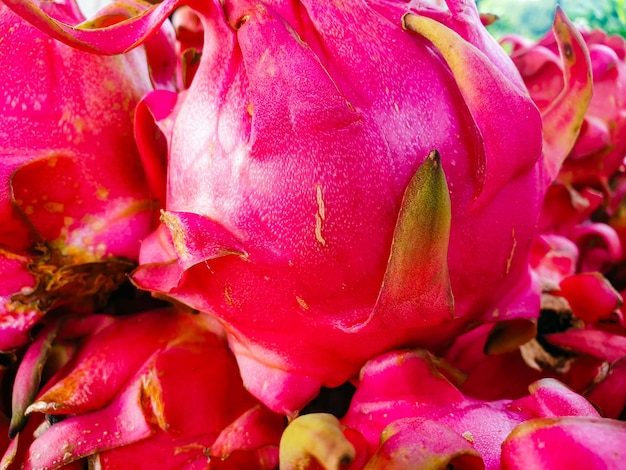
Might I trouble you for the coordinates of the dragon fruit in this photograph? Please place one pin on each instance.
(74, 200)
(600, 148)
(271, 306)
(590, 175)
(334, 173)
(122, 396)
(581, 335)
(577, 256)
(407, 410)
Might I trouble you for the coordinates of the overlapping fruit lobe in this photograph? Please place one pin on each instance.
(74, 202)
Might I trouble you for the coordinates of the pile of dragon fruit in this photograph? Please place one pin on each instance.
(303, 234)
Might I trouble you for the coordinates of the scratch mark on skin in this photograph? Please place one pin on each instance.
(320, 216)
(228, 296)
(302, 303)
(509, 260)
(178, 233)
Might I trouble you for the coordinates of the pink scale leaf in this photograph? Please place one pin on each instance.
(609, 394)
(129, 26)
(492, 102)
(534, 63)
(600, 246)
(594, 136)
(411, 443)
(568, 442)
(190, 233)
(151, 142)
(15, 323)
(90, 215)
(550, 398)
(262, 428)
(28, 377)
(158, 277)
(553, 258)
(563, 118)
(405, 380)
(591, 296)
(171, 388)
(121, 422)
(596, 343)
(564, 208)
(110, 358)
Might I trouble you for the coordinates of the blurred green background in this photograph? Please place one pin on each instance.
(533, 18)
(530, 18)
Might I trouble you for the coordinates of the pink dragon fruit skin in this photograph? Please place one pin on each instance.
(301, 201)
(72, 186)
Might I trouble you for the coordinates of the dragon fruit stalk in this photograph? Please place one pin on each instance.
(74, 200)
(340, 181)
